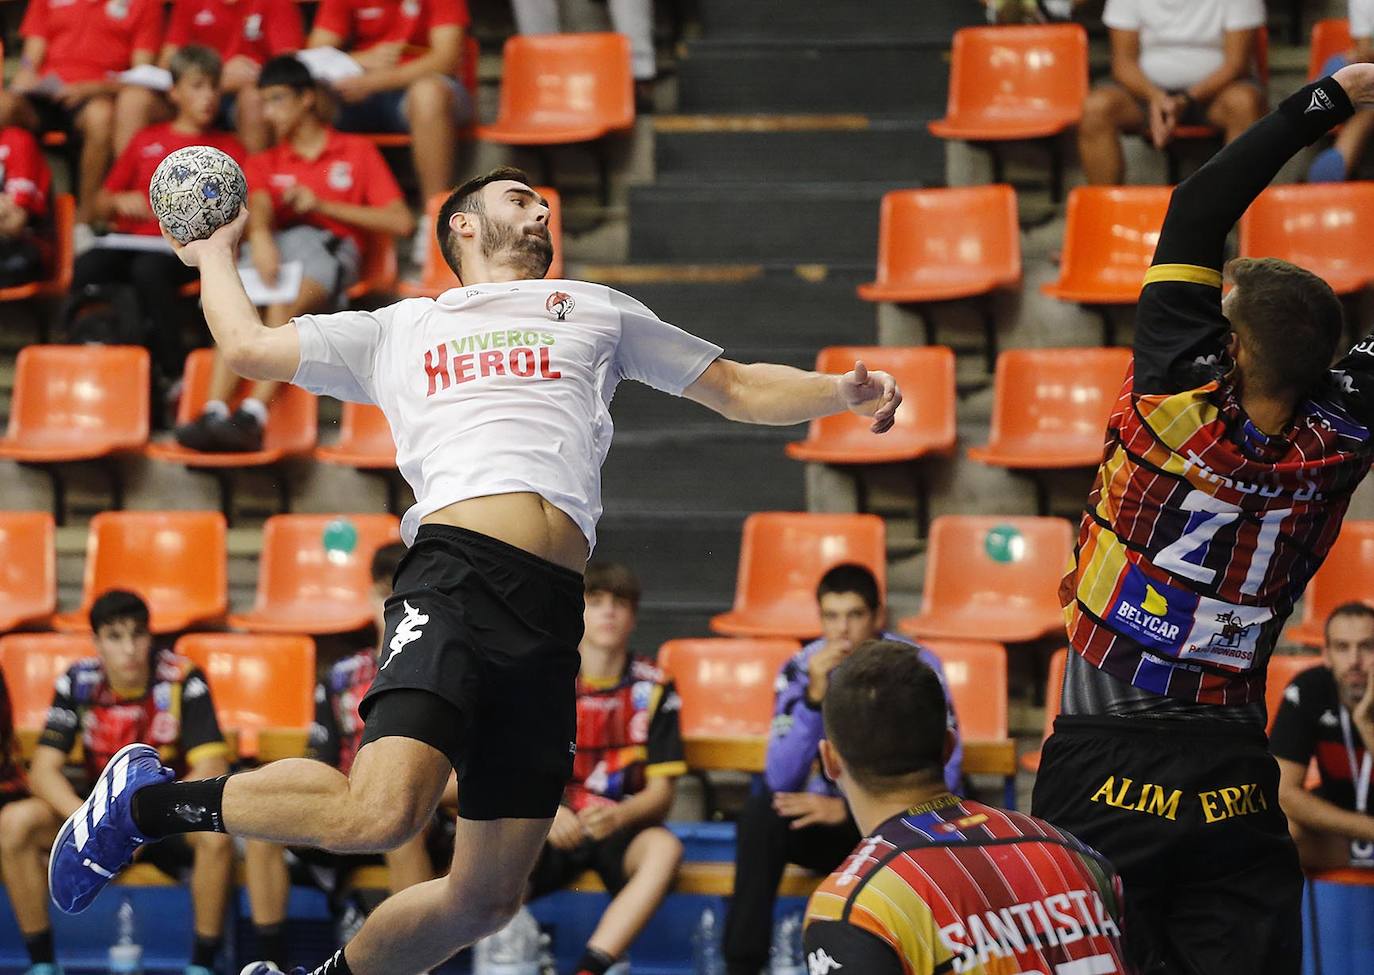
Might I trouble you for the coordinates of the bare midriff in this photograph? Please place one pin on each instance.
(522, 519)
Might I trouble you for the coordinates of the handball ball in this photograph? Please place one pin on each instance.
(195, 191)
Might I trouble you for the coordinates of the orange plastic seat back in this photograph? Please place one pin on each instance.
(1327, 228)
(1006, 73)
(1054, 689)
(175, 560)
(976, 677)
(64, 250)
(1329, 37)
(28, 568)
(377, 270)
(783, 556)
(727, 686)
(1347, 575)
(1057, 396)
(256, 681)
(80, 396)
(436, 275)
(926, 378)
(924, 235)
(292, 421)
(363, 431)
(558, 81)
(1110, 237)
(1283, 667)
(33, 662)
(996, 560)
(301, 574)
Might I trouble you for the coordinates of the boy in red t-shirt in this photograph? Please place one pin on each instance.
(25, 187)
(411, 52)
(313, 199)
(246, 33)
(72, 51)
(157, 275)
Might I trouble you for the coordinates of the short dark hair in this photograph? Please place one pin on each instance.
(114, 605)
(467, 198)
(285, 69)
(614, 578)
(851, 577)
(195, 57)
(885, 713)
(385, 560)
(1291, 321)
(1352, 610)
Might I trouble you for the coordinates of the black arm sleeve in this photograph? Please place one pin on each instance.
(200, 733)
(1179, 325)
(836, 946)
(64, 717)
(664, 747)
(1294, 736)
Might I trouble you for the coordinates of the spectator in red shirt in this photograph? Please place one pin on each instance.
(312, 198)
(156, 276)
(246, 33)
(411, 52)
(72, 50)
(25, 188)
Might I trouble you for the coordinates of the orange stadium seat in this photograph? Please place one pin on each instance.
(28, 569)
(1347, 576)
(783, 556)
(257, 682)
(63, 259)
(377, 273)
(32, 664)
(990, 577)
(304, 586)
(727, 688)
(563, 88)
(1050, 407)
(436, 277)
(176, 560)
(1109, 241)
(1054, 692)
(1329, 38)
(976, 676)
(1327, 228)
(364, 440)
(1283, 667)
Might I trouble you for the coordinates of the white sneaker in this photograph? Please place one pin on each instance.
(83, 238)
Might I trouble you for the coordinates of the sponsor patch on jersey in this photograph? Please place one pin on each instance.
(1225, 634)
(1151, 612)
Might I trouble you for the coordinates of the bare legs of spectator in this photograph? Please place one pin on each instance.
(1107, 112)
(1320, 851)
(211, 879)
(95, 122)
(27, 830)
(135, 108)
(633, 18)
(250, 125)
(651, 863)
(409, 864)
(429, 110)
(1237, 107)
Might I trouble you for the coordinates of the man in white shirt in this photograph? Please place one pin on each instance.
(497, 394)
(1174, 62)
(1340, 159)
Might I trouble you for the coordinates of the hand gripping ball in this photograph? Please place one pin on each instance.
(195, 191)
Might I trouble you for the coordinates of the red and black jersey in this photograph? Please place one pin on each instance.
(1308, 726)
(337, 733)
(627, 732)
(13, 782)
(175, 715)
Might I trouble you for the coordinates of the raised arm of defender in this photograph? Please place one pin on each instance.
(766, 393)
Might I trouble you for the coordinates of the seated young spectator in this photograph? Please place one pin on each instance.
(25, 198)
(411, 52)
(312, 199)
(1327, 713)
(335, 739)
(629, 755)
(130, 692)
(65, 79)
(801, 817)
(156, 276)
(246, 34)
(633, 18)
(1334, 164)
(1172, 65)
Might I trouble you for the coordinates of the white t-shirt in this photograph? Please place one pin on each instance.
(499, 388)
(1182, 41)
(1362, 18)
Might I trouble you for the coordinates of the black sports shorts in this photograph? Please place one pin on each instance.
(558, 868)
(491, 632)
(1188, 813)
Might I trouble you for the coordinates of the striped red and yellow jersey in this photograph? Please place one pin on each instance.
(953, 885)
(1201, 531)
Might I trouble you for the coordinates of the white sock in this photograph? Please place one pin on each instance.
(256, 409)
(216, 408)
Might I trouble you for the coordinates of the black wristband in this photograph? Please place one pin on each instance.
(1317, 108)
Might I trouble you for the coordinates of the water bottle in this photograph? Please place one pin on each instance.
(514, 950)
(126, 955)
(706, 955)
(787, 955)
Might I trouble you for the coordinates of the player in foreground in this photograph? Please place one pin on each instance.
(1230, 461)
(497, 394)
(940, 883)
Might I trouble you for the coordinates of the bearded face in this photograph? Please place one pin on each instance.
(525, 246)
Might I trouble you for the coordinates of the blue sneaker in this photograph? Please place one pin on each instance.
(100, 838)
(43, 968)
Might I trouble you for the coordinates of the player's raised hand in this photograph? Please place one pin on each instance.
(1358, 82)
(872, 394)
(225, 238)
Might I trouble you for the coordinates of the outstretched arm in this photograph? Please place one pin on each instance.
(765, 393)
(249, 347)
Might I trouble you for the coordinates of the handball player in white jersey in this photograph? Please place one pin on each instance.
(497, 394)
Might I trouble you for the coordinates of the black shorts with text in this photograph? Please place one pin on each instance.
(1188, 813)
(492, 632)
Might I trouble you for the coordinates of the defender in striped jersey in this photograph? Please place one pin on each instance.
(1230, 460)
(940, 883)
